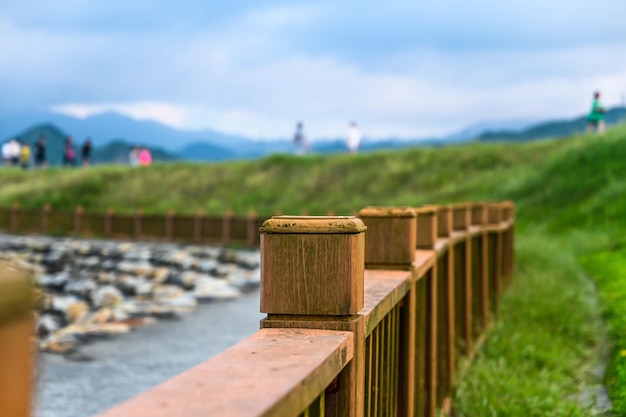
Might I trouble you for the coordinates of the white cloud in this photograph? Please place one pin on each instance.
(266, 101)
(165, 113)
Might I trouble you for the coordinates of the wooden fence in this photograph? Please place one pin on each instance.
(356, 326)
(200, 228)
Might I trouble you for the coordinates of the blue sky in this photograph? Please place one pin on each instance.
(399, 68)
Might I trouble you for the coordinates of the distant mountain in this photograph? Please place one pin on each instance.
(553, 129)
(106, 127)
(474, 130)
(206, 152)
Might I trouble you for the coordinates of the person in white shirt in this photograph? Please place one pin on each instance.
(14, 152)
(299, 139)
(354, 138)
(6, 153)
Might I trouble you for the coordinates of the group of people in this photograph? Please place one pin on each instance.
(353, 138)
(139, 156)
(595, 123)
(16, 152)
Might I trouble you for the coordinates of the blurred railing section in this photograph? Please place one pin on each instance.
(16, 342)
(366, 316)
(199, 228)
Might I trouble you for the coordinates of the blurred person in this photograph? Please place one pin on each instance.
(69, 153)
(86, 153)
(145, 157)
(40, 152)
(133, 156)
(6, 153)
(354, 138)
(299, 139)
(595, 119)
(25, 155)
(14, 152)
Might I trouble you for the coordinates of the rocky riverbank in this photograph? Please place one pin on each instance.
(92, 289)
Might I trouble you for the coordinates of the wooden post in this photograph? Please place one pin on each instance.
(494, 219)
(169, 224)
(478, 214)
(481, 278)
(460, 224)
(78, 213)
(137, 224)
(108, 222)
(494, 214)
(390, 244)
(427, 227)
(391, 237)
(460, 217)
(446, 297)
(444, 221)
(509, 238)
(227, 221)
(312, 276)
(427, 234)
(15, 209)
(16, 347)
(251, 230)
(45, 219)
(197, 226)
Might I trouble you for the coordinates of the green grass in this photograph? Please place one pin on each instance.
(570, 197)
(343, 183)
(537, 358)
(609, 269)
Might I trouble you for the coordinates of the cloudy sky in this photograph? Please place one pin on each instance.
(403, 68)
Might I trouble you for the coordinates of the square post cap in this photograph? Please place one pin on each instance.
(313, 224)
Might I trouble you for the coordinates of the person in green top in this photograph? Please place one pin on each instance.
(595, 120)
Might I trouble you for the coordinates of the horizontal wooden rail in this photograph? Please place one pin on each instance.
(271, 373)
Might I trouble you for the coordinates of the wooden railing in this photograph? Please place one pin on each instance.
(16, 347)
(358, 323)
(199, 228)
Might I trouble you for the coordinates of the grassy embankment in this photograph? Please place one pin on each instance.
(539, 358)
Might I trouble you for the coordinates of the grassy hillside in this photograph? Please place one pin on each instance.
(343, 183)
(540, 357)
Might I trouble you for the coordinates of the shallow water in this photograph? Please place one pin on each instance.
(108, 372)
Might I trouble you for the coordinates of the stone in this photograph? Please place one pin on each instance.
(76, 311)
(209, 289)
(107, 296)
